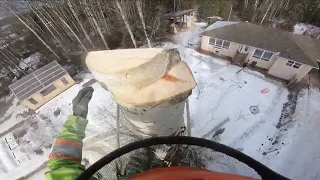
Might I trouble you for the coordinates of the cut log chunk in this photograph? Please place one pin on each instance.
(129, 70)
(142, 77)
(177, 82)
(150, 85)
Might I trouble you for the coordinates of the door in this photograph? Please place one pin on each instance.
(243, 49)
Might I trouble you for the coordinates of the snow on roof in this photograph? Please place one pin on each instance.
(219, 24)
(13, 35)
(179, 13)
(215, 17)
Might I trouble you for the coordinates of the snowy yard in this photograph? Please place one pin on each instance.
(241, 109)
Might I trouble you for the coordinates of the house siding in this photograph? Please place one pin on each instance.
(231, 52)
(280, 70)
(276, 65)
(260, 63)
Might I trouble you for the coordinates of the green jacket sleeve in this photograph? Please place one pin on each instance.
(65, 158)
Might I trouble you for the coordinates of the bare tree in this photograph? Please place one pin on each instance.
(265, 14)
(79, 22)
(45, 23)
(139, 7)
(230, 11)
(246, 3)
(255, 6)
(123, 14)
(6, 3)
(97, 27)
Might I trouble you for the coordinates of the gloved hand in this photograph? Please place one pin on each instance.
(81, 101)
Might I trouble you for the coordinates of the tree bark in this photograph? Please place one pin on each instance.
(126, 22)
(139, 7)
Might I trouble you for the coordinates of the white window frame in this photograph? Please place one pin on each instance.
(264, 51)
(218, 46)
(293, 64)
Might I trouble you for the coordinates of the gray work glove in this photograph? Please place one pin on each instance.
(81, 101)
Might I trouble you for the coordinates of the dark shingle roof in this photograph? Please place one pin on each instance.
(292, 46)
(179, 13)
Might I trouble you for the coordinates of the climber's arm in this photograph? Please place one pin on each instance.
(65, 158)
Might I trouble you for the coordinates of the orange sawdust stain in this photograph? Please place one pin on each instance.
(171, 78)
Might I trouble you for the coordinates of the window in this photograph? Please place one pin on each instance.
(65, 82)
(289, 63)
(267, 55)
(33, 101)
(296, 65)
(226, 44)
(261, 54)
(219, 43)
(293, 64)
(257, 53)
(48, 90)
(212, 41)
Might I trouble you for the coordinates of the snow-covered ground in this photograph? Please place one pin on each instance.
(306, 29)
(31, 61)
(239, 108)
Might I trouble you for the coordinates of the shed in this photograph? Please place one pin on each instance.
(181, 18)
(39, 87)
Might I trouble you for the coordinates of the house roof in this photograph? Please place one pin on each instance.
(179, 13)
(291, 46)
(37, 80)
(219, 24)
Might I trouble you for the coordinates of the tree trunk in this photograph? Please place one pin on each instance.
(230, 11)
(67, 25)
(79, 22)
(274, 15)
(45, 24)
(97, 27)
(103, 18)
(50, 21)
(126, 22)
(246, 3)
(12, 63)
(18, 60)
(265, 14)
(139, 7)
(60, 31)
(32, 30)
(287, 5)
(254, 10)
